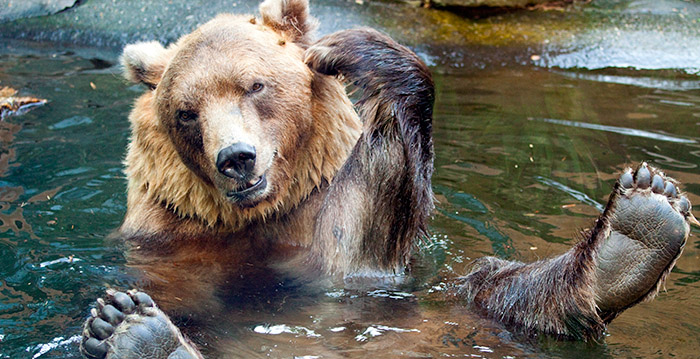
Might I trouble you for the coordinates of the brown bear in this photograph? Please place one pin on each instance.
(246, 153)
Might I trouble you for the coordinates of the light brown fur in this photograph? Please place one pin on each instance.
(158, 180)
(186, 238)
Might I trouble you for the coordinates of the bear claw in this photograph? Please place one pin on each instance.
(657, 184)
(660, 184)
(643, 179)
(93, 348)
(123, 301)
(670, 190)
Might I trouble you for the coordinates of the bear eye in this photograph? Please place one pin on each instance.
(186, 116)
(257, 87)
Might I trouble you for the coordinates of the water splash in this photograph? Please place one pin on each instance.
(55, 343)
(283, 328)
(381, 293)
(377, 330)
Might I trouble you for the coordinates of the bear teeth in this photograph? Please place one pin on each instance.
(251, 188)
(253, 182)
(250, 184)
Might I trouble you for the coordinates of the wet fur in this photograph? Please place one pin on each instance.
(561, 296)
(386, 182)
(553, 296)
(353, 196)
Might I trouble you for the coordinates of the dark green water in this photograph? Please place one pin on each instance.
(525, 157)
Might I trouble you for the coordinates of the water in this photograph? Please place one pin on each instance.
(525, 157)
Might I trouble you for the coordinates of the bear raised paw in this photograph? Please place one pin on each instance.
(622, 261)
(648, 228)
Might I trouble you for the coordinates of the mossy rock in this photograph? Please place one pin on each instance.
(488, 3)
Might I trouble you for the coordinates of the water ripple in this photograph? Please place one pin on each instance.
(621, 130)
(645, 82)
(572, 192)
(668, 161)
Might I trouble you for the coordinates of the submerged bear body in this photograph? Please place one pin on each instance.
(247, 156)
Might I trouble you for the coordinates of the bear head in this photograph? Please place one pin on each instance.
(236, 126)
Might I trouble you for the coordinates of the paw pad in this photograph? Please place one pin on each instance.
(670, 190)
(648, 221)
(657, 184)
(643, 177)
(626, 180)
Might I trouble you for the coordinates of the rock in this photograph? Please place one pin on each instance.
(597, 35)
(17, 9)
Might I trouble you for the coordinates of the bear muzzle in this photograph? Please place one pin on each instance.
(249, 191)
(238, 163)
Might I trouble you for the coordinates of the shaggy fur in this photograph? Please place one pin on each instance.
(347, 197)
(160, 180)
(392, 163)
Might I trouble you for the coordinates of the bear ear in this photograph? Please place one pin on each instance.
(290, 17)
(145, 62)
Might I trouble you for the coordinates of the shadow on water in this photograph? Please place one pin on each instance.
(525, 157)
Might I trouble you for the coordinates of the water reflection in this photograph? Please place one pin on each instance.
(637, 80)
(620, 130)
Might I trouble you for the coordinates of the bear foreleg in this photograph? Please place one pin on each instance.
(380, 200)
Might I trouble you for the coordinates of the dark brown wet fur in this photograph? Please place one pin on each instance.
(553, 296)
(386, 181)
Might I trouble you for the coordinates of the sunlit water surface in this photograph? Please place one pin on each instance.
(525, 158)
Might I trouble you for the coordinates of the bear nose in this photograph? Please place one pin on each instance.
(237, 160)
